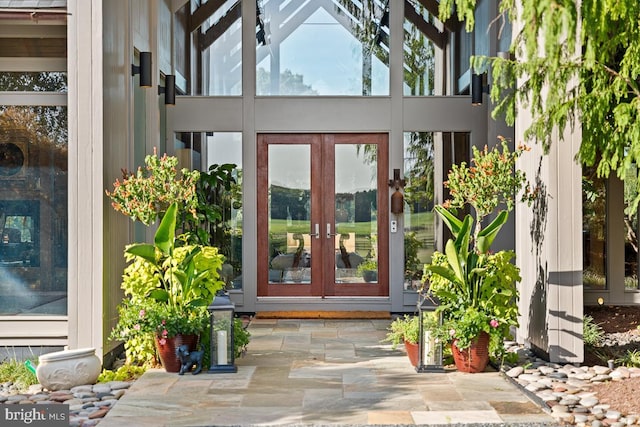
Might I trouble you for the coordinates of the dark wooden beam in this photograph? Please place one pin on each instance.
(203, 13)
(433, 7)
(30, 47)
(428, 29)
(219, 28)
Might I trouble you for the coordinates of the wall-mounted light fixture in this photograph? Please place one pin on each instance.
(144, 69)
(397, 199)
(169, 89)
(478, 87)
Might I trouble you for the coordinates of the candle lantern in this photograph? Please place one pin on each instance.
(222, 318)
(430, 349)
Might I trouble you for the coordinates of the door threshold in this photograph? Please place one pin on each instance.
(323, 315)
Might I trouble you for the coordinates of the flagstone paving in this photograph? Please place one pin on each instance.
(324, 372)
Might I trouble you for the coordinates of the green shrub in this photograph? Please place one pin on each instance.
(123, 373)
(630, 359)
(592, 333)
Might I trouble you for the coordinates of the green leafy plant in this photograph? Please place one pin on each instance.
(217, 191)
(123, 373)
(241, 336)
(168, 289)
(407, 328)
(367, 265)
(146, 194)
(404, 328)
(15, 371)
(631, 358)
(592, 333)
(476, 289)
(185, 276)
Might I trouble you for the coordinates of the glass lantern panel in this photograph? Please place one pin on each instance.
(222, 322)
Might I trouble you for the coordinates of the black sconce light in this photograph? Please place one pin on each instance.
(169, 89)
(478, 87)
(144, 69)
(397, 199)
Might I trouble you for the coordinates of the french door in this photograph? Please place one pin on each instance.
(322, 215)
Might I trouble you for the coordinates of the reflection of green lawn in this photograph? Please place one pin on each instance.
(420, 223)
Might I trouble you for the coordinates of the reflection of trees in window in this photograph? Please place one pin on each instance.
(46, 128)
(290, 84)
(593, 228)
(630, 229)
(366, 21)
(419, 169)
(45, 121)
(419, 61)
(419, 235)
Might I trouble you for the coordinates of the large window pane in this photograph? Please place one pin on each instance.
(220, 155)
(338, 47)
(594, 222)
(419, 232)
(221, 43)
(226, 148)
(420, 52)
(33, 209)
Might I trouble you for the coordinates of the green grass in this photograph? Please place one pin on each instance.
(14, 371)
(592, 333)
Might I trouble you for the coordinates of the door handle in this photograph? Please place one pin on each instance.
(317, 233)
(329, 233)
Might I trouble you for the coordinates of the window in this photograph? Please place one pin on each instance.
(220, 41)
(219, 154)
(631, 229)
(419, 232)
(594, 230)
(33, 194)
(337, 47)
(420, 52)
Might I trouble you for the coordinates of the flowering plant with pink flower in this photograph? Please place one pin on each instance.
(477, 288)
(141, 320)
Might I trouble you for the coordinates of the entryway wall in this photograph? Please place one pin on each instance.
(253, 116)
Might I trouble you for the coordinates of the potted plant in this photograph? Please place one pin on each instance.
(405, 330)
(476, 288)
(169, 288)
(368, 269)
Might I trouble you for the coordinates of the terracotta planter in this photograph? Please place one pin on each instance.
(473, 359)
(412, 352)
(167, 350)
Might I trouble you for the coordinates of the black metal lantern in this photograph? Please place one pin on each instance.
(222, 318)
(430, 349)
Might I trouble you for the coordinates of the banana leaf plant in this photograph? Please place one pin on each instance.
(183, 277)
(466, 257)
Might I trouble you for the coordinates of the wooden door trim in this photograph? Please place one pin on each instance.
(320, 209)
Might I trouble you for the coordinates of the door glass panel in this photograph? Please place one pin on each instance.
(356, 212)
(289, 210)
